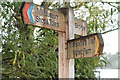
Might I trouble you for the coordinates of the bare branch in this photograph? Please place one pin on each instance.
(110, 30)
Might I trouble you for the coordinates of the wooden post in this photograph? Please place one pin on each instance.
(66, 66)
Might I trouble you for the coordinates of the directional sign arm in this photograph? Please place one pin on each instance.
(36, 15)
(86, 46)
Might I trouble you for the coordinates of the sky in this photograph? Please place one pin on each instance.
(110, 47)
(110, 42)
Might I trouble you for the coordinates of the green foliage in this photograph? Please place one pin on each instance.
(31, 52)
(87, 68)
(25, 55)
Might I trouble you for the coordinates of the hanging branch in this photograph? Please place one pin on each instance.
(110, 30)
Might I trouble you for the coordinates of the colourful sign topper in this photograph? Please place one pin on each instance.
(39, 16)
(86, 46)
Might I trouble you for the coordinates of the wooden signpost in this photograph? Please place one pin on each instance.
(66, 25)
(86, 46)
(39, 16)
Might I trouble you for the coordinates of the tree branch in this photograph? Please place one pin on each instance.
(8, 59)
(110, 30)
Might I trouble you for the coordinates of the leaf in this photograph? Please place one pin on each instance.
(14, 61)
(111, 11)
(112, 21)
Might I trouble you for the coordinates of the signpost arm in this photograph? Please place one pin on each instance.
(66, 66)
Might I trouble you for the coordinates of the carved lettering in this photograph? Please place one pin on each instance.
(46, 21)
(81, 52)
(84, 42)
(46, 12)
(80, 27)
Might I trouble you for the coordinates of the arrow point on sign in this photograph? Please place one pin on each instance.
(30, 13)
(27, 5)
